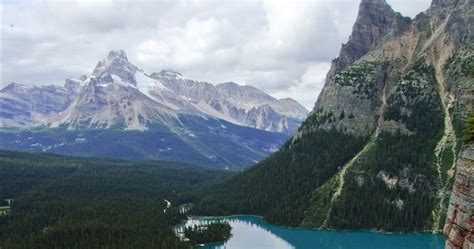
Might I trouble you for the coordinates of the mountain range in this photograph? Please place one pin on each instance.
(155, 116)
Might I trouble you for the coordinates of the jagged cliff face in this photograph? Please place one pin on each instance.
(459, 228)
(400, 81)
(381, 49)
(396, 98)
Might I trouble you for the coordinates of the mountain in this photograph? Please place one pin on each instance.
(118, 93)
(379, 149)
(23, 106)
(121, 111)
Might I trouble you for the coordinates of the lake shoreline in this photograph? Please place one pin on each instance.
(253, 232)
(307, 228)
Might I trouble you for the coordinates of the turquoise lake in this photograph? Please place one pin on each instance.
(250, 232)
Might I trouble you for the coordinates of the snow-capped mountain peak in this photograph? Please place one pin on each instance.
(167, 74)
(116, 63)
(119, 94)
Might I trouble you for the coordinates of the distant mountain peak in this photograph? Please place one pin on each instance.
(168, 73)
(116, 63)
(229, 83)
(12, 85)
(15, 87)
(117, 54)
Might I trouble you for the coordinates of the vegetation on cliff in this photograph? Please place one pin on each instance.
(321, 117)
(362, 77)
(469, 130)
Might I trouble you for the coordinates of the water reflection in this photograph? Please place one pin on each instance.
(249, 232)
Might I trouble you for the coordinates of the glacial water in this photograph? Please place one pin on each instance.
(250, 232)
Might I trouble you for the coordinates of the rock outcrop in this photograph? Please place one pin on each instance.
(375, 20)
(459, 228)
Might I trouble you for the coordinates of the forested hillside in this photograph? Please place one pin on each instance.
(379, 149)
(65, 202)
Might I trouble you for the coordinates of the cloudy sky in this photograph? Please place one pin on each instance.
(281, 47)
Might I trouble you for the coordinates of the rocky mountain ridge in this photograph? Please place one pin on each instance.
(119, 94)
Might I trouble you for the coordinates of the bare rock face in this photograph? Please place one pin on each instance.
(375, 20)
(25, 106)
(355, 83)
(459, 228)
(381, 49)
(352, 96)
(116, 63)
(244, 105)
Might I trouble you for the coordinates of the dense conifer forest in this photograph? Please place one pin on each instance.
(65, 202)
(279, 187)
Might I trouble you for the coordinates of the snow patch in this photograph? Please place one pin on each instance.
(119, 81)
(165, 149)
(80, 140)
(145, 84)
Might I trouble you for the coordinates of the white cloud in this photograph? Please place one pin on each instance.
(309, 86)
(282, 47)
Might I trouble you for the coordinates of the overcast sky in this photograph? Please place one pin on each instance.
(281, 47)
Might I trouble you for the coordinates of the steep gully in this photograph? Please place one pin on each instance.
(448, 140)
